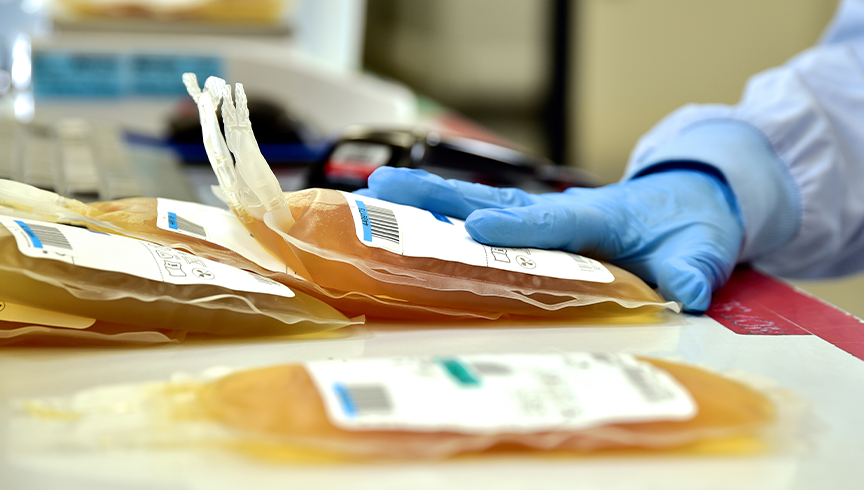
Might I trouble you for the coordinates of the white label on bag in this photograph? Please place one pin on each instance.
(498, 393)
(11, 312)
(114, 253)
(414, 232)
(214, 225)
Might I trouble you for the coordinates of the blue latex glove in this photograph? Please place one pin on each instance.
(678, 229)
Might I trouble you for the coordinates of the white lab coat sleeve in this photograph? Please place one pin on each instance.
(792, 151)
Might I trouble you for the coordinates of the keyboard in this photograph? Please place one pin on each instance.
(89, 161)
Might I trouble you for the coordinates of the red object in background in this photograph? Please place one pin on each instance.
(751, 302)
(351, 170)
(444, 154)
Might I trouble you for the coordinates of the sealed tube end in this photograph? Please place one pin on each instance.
(190, 80)
(251, 165)
(214, 144)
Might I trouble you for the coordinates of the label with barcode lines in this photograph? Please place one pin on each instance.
(364, 399)
(88, 251)
(262, 279)
(376, 225)
(189, 227)
(583, 263)
(642, 380)
(216, 225)
(180, 224)
(414, 232)
(497, 393)
(383, 223)
(42, 236)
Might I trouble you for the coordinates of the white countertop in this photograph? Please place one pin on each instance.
(829, 455)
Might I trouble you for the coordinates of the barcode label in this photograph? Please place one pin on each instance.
(358, 400)
(485, 394)
(647, 385)
(263, 280)
(584, 264)
(383, 223)
(182, 224)
(89, 250)
(41, 236)
(641, 377)
(492, 368)
(414, 232)
(190, 227)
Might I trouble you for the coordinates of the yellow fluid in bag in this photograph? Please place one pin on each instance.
(326, 260)
(324, 241)
(131, 300)
(323, 247)
(136, 217)
(100, 333)
(281, 403)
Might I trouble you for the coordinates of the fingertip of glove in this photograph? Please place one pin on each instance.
(489, 226)
(405, 186)
(681, 281)
(385, 176)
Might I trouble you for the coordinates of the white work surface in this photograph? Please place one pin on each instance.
(831, 456)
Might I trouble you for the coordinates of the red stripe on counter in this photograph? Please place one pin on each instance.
(752, 303)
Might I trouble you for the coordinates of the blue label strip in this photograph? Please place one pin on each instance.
(345, 397)
(172, 220)
(33, 238)
(364, 219)
(441, 218)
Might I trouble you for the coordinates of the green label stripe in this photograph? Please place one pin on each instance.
(459, 372)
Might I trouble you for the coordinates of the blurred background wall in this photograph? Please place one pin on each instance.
(628, 62)
(490, 59)
(637, 60)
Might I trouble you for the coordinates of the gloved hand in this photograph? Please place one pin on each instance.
(679, 229)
